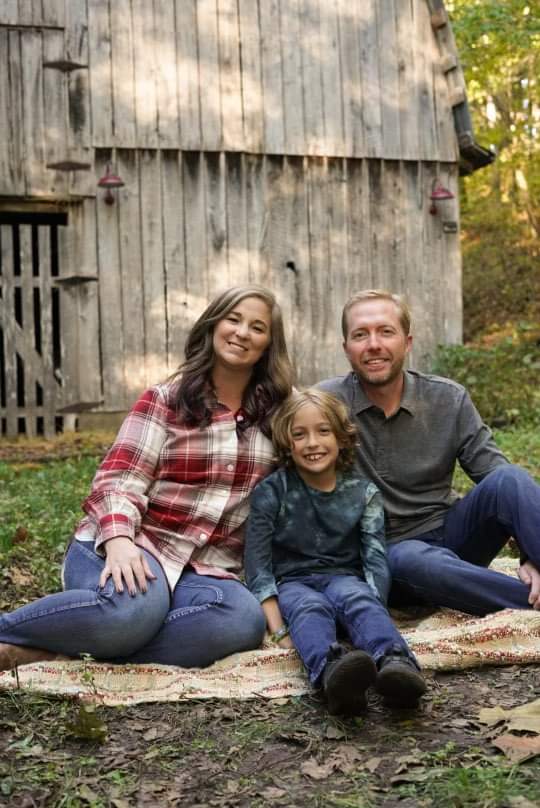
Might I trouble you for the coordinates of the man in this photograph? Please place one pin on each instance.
(412, 429)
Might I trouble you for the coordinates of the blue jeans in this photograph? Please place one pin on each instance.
(447, 566)
(315, 606)
(206, 618)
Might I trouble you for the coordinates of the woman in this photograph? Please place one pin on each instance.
(151, 574)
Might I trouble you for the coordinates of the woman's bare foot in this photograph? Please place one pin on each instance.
(13, 655)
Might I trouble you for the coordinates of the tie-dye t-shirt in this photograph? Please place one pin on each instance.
(295, 530)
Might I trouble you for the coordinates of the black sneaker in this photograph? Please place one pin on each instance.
(399, 680)
(345, 680)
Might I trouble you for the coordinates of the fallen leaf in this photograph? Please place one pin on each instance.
(525, 718)
(516, 748)
(20, 536)
(372, 764)
(316, 770)
(334, 733)
(18, 577)
(273, 793)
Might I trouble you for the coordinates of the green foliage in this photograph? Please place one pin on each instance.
(499, 47)
(503, 379)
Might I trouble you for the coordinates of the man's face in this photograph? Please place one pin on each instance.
(376, 345)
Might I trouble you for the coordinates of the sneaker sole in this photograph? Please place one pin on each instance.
(345, 689)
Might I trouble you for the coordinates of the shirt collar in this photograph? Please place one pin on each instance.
(408, 398)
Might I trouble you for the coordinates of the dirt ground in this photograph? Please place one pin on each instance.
(286, 752)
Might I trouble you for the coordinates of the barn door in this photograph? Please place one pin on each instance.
(30, 347)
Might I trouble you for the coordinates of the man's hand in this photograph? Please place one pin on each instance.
(126, 562)
(530, 576)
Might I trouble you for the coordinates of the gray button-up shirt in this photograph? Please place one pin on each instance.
(411, 455)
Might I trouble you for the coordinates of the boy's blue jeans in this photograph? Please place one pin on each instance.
(447, 566)
(206, 618)
(315, 606)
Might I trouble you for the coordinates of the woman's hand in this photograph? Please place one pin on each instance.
(530, 576)
(126, 562)
(286, 642)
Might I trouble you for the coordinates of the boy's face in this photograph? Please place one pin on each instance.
(314, 448)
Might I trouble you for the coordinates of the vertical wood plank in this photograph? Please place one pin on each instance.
(256, 218)
(195, 239)
(52, 392)
(55, 112)
(339, 263)
(79, 306)
(359, 226)
(11, 113)
(321, 280)
(216, 223)
(349, 19)
(369, 61)
(230, 76)
(415, 259)
(131, 272)
(99, 41)
(293, 102)
(377, 219)
(188, 73)
(110, 300)
(272, 78)
(30, 12)
(145, 56)
(166, 74)
(409, 119)
(155, 325)
(451, 267)
(26, 286)
(54, 12)
(122, 75)
(252, 99)
(9, 12)
(312, 77)
(7, 304)
(179, 317)
(447, 142)
(424, 82)
(209, 89)
(237, 236)
(332, 81)
(388, 73)
(33, 113)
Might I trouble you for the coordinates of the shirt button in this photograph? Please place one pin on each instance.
(230, 467)
(203, 536)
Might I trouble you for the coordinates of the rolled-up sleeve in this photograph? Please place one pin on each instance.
(375, 563)
(119, 496)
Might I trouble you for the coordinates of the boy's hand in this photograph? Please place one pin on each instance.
(530, 576)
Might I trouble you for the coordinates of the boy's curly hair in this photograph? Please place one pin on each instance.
(331, 408)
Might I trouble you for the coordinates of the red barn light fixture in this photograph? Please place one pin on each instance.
(438, 194)
(109, 181)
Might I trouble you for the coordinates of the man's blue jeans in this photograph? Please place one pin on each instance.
(447, 566)
(206, 618)
(315, 606)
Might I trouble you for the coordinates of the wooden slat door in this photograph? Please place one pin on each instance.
(31, 385)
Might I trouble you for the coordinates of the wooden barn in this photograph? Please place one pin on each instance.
(295, 143)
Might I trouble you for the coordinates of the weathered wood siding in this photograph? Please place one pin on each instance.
(313, 229)
(298, 77)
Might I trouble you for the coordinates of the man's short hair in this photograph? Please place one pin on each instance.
(404, 312)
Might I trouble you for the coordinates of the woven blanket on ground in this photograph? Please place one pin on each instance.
(443, 640)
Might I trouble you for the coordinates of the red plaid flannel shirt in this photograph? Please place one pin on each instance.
(180, 492)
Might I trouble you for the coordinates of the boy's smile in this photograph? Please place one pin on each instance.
(314, 448)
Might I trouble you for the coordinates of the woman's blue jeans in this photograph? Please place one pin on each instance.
(447, 566)
(316, 606)
(206, 618)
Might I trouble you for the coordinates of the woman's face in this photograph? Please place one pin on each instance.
(243, 335)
